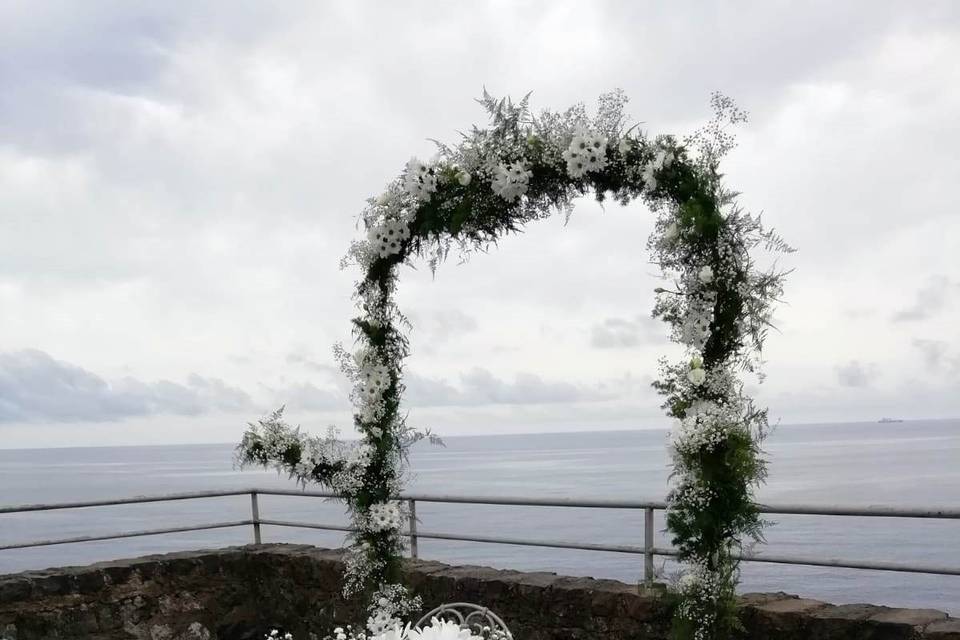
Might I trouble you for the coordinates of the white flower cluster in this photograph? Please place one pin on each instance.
(382, 626)
(587, 152)
(384, 516)
(697, 375)
(661, 160)
(442, 630)
(694, 330)
(511, 181)
(691, 496)
(386, 238)
(372, 377)
(388, 606)
(275, 635)
(699, 587)
(381, 622)
(705, 426)
(420, 180)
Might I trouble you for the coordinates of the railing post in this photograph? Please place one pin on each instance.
(413, 529)
(648, 545)
(255, 512)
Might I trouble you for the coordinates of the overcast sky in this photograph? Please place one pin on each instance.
(179, 180)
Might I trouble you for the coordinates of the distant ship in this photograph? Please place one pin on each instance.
(887, 420)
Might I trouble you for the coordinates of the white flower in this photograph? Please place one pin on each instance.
(672, 232)
(688, 582)
(705, 274)
(696, 375)
(664, 158)
(625, 145)
(375, 375)
(385, 239)
(396, 632)
(441, 630)
(380, 622)
(587, 152)
(649, 176)
(419, 180)
(510, 181)
(384, 516)
(463, 178)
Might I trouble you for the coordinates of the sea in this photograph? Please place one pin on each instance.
(906, 464)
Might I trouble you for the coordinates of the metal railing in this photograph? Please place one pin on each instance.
(649, 551)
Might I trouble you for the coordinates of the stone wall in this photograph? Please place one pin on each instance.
(242, 592)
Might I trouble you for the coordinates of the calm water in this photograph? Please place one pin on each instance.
(905, 464)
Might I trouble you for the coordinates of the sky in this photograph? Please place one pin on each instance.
(179, 181)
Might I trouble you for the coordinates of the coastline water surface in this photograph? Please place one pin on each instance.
(913, 463)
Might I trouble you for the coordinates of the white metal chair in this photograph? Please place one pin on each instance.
(471, 616)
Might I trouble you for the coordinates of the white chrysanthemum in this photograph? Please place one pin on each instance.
(396, 632)
(510, 181)
(419, 180)
(587, 152)
(384, 516)
(705, 275)
(360, 455)
(381, 622)
(374, 379)
(625, 145)
(464, 178)
(385, 239)
(441, 630)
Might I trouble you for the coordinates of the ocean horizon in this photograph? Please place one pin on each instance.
(906, 464)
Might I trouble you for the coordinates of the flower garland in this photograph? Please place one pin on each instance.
(520, 169)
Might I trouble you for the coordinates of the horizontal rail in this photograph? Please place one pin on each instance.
(778, 509)
(308, 525)
(127, 534)
(647, 550)
(656, 551)
(133, 500)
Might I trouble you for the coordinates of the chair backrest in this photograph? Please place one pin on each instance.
(469, 615)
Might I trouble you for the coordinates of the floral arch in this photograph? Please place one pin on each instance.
(521, 168)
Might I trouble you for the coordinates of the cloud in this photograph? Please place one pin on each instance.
(618, 333)
(191, 179)
(34, 387)
(442, 325)
(479, 386)
(931, 299)
(312, 398)
(297, 358)
(856, 374)
(933, 351)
